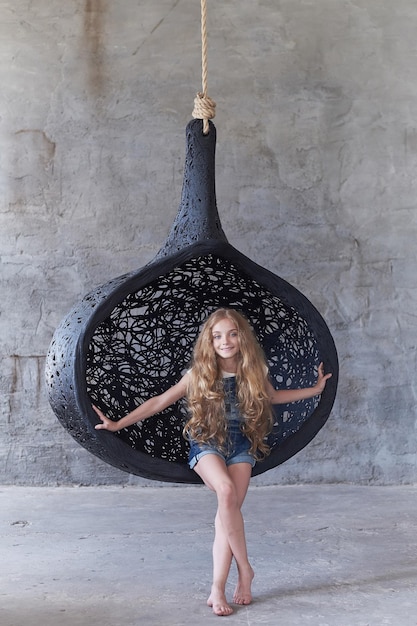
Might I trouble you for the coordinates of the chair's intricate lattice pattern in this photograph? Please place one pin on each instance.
(145, 345)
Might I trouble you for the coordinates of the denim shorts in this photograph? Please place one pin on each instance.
(237, 448)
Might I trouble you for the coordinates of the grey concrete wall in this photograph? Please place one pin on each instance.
(316, 162)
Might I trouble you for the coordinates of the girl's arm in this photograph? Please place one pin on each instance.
(145, 410)
(284, 396)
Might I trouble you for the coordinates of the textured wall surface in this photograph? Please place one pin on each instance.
(316, 161)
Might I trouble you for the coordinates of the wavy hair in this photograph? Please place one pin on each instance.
(205, 395)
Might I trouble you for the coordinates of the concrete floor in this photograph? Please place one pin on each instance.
(324, 555)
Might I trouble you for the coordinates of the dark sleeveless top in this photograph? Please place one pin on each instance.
(230, 400)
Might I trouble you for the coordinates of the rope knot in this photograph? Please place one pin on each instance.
(204, 109)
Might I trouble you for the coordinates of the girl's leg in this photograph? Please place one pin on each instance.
(222, 554)
(230, 485)
(241, 474)
(222, 560)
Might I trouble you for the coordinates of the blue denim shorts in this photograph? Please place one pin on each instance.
(237, 448)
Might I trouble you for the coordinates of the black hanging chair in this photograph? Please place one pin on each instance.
(133, 337)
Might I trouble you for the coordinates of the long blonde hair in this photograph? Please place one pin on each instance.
(206, 398)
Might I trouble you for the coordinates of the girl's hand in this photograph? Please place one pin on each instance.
(106, 424)
(321, 379)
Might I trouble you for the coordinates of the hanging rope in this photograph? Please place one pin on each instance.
(204, 106)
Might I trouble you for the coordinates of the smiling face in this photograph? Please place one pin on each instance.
(225, 336)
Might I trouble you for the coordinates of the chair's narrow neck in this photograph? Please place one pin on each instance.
(197, 219)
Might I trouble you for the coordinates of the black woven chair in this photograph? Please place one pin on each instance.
(133, 337)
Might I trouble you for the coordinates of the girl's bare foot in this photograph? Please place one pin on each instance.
(217, 600)
(243, 593)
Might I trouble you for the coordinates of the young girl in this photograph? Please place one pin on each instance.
(230, 403)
